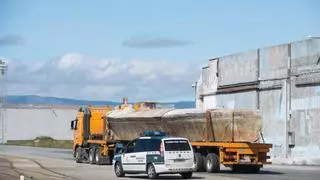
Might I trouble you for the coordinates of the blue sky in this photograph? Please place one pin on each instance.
(182, 32)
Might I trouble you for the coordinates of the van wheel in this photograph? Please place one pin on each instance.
(151, 172)
(118, 170)
(212, 163)
(92, 156)
(199, 162)
(98, 157)
(78, 155)
(186, 175)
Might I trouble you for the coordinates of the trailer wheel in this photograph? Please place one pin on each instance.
(212, 163)
(78, 155)
(92, 156)
(98, 157)
(199, 162)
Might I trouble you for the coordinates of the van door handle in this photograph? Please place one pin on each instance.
(132, 156)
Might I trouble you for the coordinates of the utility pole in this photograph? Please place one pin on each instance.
(194, 85)
(3, 73)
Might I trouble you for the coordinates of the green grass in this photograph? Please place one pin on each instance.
(43, 141)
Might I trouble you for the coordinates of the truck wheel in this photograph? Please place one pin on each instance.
(186, 175)
(98, 157)
(212, 163)
(92, 156)
(199, 162)
(118, 170)
(78, 155)
(152, 174)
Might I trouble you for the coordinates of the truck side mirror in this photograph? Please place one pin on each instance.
(73, 124)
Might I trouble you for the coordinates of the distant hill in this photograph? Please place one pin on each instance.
(39, 100)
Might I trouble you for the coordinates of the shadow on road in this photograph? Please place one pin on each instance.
(262, 172)
(162, 177)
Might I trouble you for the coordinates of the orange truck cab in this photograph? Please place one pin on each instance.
(90, 142)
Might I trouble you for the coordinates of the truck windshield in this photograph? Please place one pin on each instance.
(177, 145)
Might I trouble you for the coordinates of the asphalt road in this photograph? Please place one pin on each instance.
(58, 164)
(35, 151)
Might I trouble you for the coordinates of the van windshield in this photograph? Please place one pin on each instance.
(177, 145)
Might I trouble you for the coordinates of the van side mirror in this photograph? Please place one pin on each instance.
(73, 124)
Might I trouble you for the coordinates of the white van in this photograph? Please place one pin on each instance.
(155, 154)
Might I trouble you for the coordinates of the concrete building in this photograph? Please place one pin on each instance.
(282, 81)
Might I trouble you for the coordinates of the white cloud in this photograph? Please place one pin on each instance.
(71, 60)
(78, 76)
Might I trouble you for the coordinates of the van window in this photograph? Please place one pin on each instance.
(141, 145)
(177, 145)
(130, 147)
(147, 145)
(154, 145)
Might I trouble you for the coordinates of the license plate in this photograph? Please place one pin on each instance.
(178, 160)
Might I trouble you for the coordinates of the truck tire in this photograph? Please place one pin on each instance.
(92, 156)
(199, 162)
(118, 170)
(78, 158)
(98, 157)
(212, 163)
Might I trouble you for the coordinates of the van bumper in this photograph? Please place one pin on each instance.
(167, 169)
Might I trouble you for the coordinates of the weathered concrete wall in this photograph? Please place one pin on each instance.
(305, 61)
(209, 78)
(305, 100)
(274, 62)
(305, 54)
(305, 122)
(240, 100)
(272, 104)
(210, 102)
(28, 123)
(207, 84)
(243, 65)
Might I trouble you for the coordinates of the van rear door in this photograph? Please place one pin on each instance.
(178, 153)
